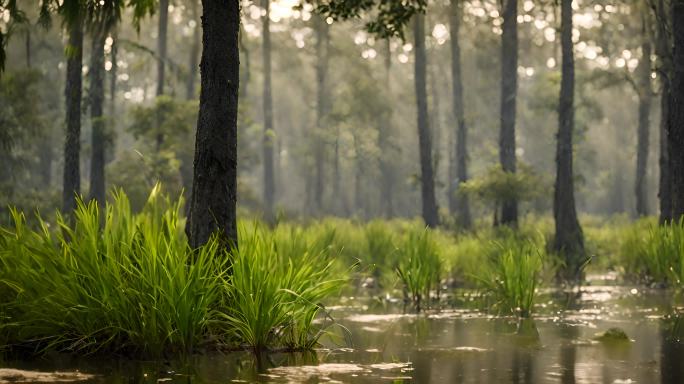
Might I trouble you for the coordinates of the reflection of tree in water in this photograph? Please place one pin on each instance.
(568, 353)
(526, 341)
(672, 350)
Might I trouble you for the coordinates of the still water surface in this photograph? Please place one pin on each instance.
(450, 346)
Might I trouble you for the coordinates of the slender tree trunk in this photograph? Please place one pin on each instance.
(435, 121)
(113, 73)
(97, 162)
(322, 31)
(213, 202)
(676, 111)
(458, 203)
(161, 60)
(430, 214)
(643, 142)
(509, 89)
(194, 53)
(269, 131)
(73, 93)
(28, 48)
(664, 52)
(569, 240)
(384, 143)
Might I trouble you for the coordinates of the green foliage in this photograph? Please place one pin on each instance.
(420, 267)
(498, 185)
(511, 275)
(111, 281)
(279, 280)
(655, 255)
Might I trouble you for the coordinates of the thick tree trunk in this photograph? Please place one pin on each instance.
(676, 111)
(28, 47)
(193, 65)
(509, 89)
(384, 144)
(322, 31)
(458, 203)
(97, 162)
(213, 202)
(268, 140)
(643, 142)
(664, 52)
(430, 214)
(73, 93)
(569, 239)
(161, 59)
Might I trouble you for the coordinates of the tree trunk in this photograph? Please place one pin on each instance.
(97, 162)
(384, 144)
(322, 31)
(194, 53)
(509, 88)
(458, 203)
(645, 92)
(430, 214)
(676, 111)
(664, 52)
(269, 132)
(113, 73)
(213, 202)
(28, 47)
(569, 238)
(161, 60)
(73, 92)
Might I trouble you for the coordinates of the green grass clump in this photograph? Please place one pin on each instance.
(111, 281)
(276, 289)
(511, 274)
(419, 267)
(656, 255)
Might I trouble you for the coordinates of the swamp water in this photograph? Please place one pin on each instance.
(449, 346)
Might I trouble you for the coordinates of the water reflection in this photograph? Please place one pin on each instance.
(451, 346)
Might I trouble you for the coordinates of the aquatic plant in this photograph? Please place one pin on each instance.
(511, 276)
(419, 268)
(110, 281)
(656, 255)
(276, 289)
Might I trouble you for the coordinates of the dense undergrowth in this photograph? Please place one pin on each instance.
(118, 281)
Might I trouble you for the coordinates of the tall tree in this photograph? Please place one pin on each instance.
(268, 140)
(676, 111)
(664, 53)
(569, 240)
(162, 33)
(213, 202)
(384, 144)
(458, 203)
(73, 93)
(430, 214)
(645, 93)
(509, 89)
(96, 93)
(194, 52)
(322, 31)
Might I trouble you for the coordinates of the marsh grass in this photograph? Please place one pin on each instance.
(112, 281)
(656, 255)
(419, 268)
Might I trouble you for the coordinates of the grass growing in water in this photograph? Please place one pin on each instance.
(512, 275)
(656, 255)
(419, 268)
(115, 281)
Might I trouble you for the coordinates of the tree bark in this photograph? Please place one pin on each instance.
(73, 92)
(509, 88)
(643, 140)
(161, 60)
(458, 203)
(322, 31)
(676, 111)
(268, 140)
(193, 65)
(384, 144)
(569, 240)
(28, 47)
(663, 50)
(97, 162)
(430, 214)
(213, 202)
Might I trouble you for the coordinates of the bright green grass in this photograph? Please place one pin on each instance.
(655, 254)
